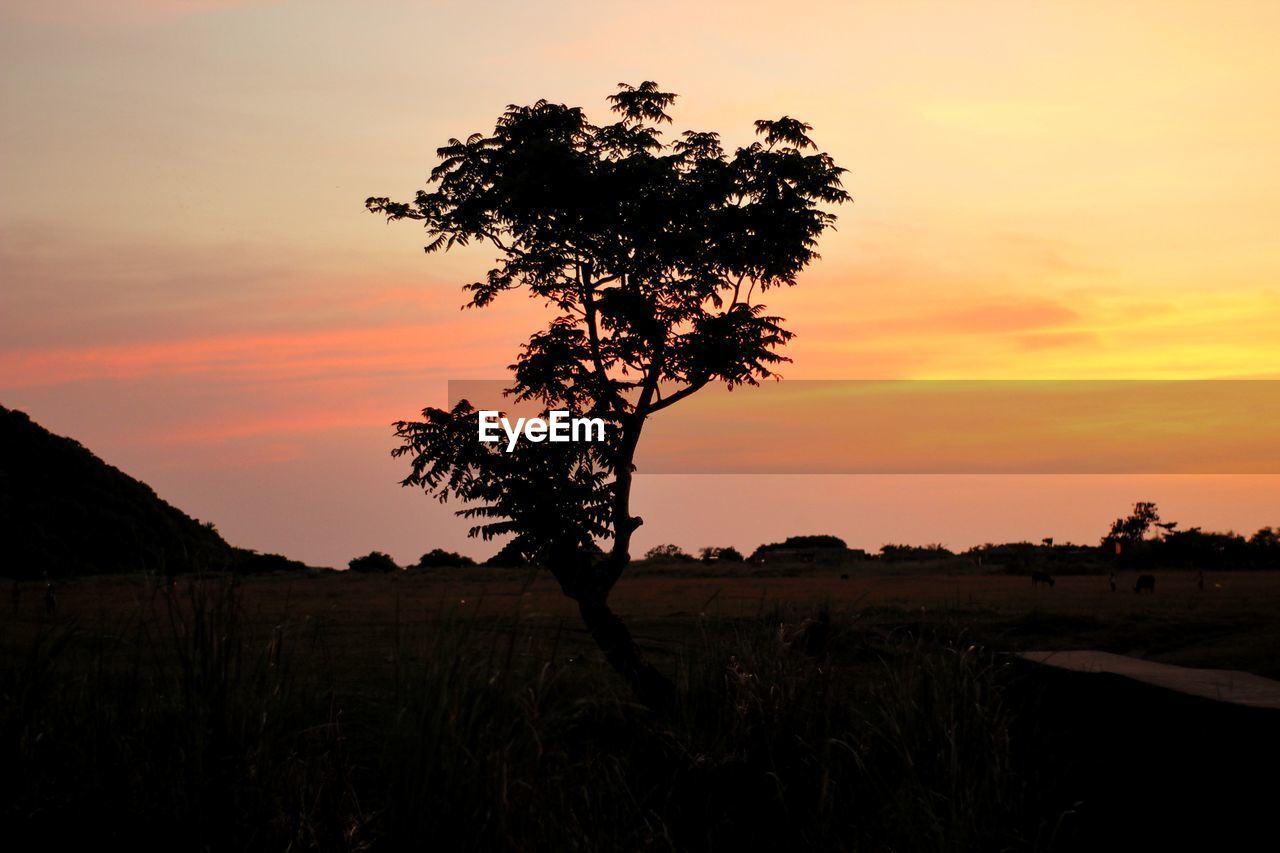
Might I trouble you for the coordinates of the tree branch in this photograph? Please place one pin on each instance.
(679, 395)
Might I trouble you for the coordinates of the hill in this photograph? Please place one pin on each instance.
(64, 511)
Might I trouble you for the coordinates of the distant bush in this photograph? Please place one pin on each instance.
(1195, 548)
(805, 549)
(820, 540)
(666, 552)
(1266, 539)
(908, 553)
(1264, 548)
(1192, 548)
(725, 555)
(438, 558)
(1023, 557)
(374, 561)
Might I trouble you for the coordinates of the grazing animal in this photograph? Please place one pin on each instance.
(1038, 578)
(1145, 583)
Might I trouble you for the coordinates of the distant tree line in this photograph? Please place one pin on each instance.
(1140, 539)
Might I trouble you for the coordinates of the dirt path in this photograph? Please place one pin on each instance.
(1225, 685)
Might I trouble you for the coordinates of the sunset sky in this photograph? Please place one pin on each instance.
(191, 286)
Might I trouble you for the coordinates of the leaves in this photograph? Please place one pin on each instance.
(642, 103)
(650, 253)
(550, 496)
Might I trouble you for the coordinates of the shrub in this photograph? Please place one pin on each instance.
(666, 552)
(439, 558)
(909, 553)
(374, 561)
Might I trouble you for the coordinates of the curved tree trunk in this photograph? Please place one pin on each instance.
(651, 687)
(589, 585)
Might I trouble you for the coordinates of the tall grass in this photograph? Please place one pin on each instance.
(174, 727)
(189, 726)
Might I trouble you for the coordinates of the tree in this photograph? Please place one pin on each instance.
(666, 552)
(1134, 528)
(651, 256)
(723, 555)
(374, 561)
(440, 558)
(1264, 547)
(1267, 539)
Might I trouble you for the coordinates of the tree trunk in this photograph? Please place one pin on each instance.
(589, 585)
(650, 686)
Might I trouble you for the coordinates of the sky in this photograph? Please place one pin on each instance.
(190, 286)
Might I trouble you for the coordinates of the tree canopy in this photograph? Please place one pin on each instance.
(650, 253)
(1134, 527)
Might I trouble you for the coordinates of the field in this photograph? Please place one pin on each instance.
(467, 708)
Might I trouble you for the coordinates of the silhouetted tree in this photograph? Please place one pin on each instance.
(651, 255)
(908, 553)
(712, 555)
(666, 552)
(1264, 548)
(1267, 538)
(1134, 527)
(804, 548)
(819, 540)
(374, 561)
(1195, 548)
(440, 558)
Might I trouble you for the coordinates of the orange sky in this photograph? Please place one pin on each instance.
(192, 288)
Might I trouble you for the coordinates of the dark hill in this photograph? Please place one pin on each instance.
(66, 512)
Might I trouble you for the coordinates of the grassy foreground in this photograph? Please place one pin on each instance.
(341, 713)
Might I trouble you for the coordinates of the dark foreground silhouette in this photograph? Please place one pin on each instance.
(218, 716)
(1156, 770)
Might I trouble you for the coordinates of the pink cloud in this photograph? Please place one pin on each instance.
(277, 356)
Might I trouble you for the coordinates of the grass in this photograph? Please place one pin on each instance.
(176, 722)
(468, 711)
